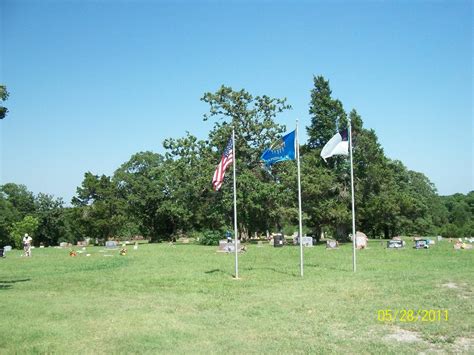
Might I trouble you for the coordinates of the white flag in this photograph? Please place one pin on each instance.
(337, 145)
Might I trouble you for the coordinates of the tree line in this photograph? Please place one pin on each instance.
(164, 196)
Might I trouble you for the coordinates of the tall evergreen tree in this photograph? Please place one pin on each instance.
(327, 114)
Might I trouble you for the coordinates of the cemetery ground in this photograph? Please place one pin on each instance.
(183, 298)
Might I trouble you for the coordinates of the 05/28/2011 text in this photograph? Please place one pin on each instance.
(412, 315)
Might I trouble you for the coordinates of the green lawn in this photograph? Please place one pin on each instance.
(180, 299)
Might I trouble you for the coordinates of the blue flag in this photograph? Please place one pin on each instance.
(282, 150)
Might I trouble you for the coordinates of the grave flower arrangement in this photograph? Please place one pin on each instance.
(72, 253)
(123, 251)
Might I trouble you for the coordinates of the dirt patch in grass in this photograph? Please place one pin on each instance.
(462, 290)
(461, 345)
(464, 345)
(404, 336)
(451, 285)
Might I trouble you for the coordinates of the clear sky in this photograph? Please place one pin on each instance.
(93, 82)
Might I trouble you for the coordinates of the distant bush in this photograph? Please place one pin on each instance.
(289, 230)
(209, 237)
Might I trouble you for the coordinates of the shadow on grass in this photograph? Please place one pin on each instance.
(215, 271)
(271, 269)
(7, 284)
(13, 281)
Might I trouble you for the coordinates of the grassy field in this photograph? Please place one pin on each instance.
(182, 298)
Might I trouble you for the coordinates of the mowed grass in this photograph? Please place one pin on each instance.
(183, 299)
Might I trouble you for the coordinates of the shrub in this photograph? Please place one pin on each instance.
(209, 237)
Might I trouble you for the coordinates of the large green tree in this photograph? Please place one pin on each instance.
(192, 165)
(328, 204)
(147, 182)
(16, 202)
(457, 215)
(389, 198)
(327, 114)
(253, 118)
(52, 222)
(29, 225)
(100, 209)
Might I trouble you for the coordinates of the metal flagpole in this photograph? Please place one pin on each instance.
(299, 199)
(354, 236)
(235, 210)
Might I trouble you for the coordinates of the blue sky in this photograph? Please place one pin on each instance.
(93, 82)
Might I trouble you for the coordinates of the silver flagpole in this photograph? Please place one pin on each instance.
(299, 199)
(235, 210)
(354, 236)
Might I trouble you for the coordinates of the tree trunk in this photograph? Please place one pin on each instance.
(317, 233)
(341, 232)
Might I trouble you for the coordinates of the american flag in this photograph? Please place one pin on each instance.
(227, 159)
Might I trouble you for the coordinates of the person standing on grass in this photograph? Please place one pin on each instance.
(27, 244)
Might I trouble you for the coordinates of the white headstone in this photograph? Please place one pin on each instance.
(111, 244)
(307, 241)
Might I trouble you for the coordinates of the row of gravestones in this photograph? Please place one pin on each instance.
(225, 245)
(111, 244)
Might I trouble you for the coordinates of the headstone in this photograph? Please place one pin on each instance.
(63, 244)
(440, 238)
(223, 245)
(227, 247)
(7, 248)
(331, 244)
(278, 240)
(361, 240)
(111, 244)
(231, 247)
(259, 244)
(307, 241)
(395, 244)
(421, 244)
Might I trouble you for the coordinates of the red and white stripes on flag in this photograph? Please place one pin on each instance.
(227, 159)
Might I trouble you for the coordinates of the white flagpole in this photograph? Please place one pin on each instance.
(299, 200)
(235, 210)
(354, 236)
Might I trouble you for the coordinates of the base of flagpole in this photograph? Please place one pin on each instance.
(236, 278)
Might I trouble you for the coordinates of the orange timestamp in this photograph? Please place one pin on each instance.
(412, 315)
